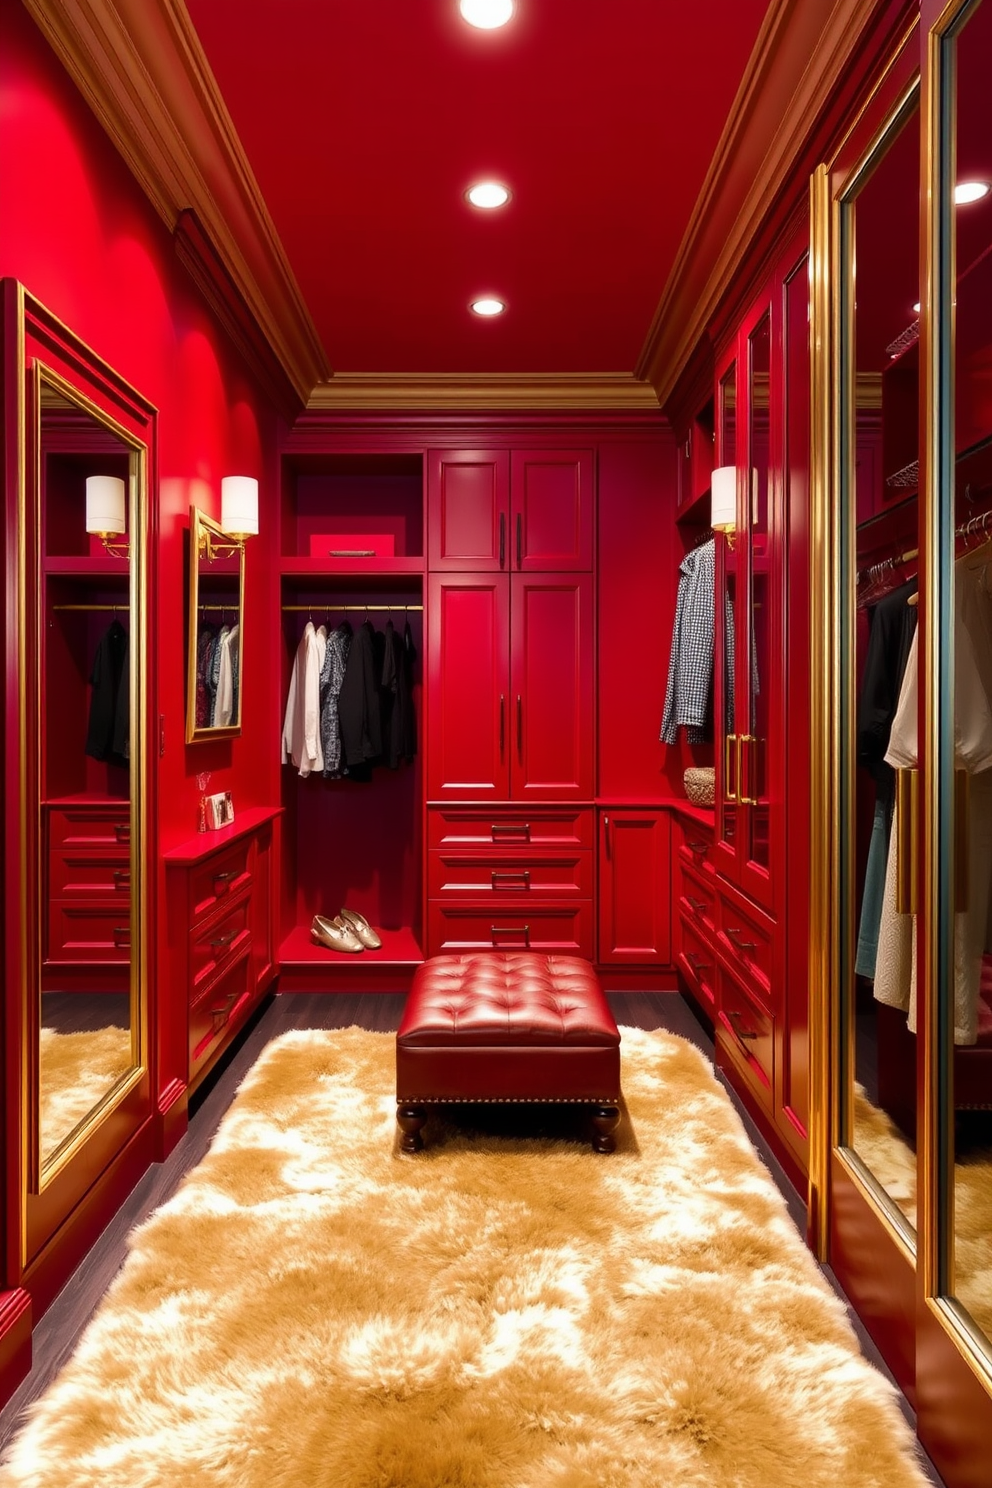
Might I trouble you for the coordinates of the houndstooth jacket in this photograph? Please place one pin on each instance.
(688, 695)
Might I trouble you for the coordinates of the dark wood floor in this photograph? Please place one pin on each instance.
(57, 1332)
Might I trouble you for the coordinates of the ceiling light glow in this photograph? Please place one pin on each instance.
(916, 307)
(486, 14)
(488, 194)
(488, 305)
(970, 191)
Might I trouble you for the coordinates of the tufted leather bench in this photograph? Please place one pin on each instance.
(504, 1026)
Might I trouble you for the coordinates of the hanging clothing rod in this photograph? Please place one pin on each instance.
(91, 607)
(222, 609)
(344, 609)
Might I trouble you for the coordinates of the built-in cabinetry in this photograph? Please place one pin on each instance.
(634, 902)
(220, 906)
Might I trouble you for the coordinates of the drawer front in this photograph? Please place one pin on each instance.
(697, 900)
(220, 1005)
(221, 876)
(87, 827)
(224, 939)
(471, 827)
(90, 875)
(553, 929)
(747, 938)
(452, 875)
(78, 931)
(746, 1030)
(697, 962)
(696, 846)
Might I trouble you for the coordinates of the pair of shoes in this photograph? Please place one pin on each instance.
(334, 934)
(359, 926)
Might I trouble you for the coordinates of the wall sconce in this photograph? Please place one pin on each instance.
(238, 516)
(723, 501)
(105, 513)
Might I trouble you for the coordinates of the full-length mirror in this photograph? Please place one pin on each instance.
(82, 520)
(214, 650)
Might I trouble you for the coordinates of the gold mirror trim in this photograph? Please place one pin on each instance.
(885, 1209)
(209, 540)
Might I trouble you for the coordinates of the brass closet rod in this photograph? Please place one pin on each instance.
(319, 605)
(109, 606)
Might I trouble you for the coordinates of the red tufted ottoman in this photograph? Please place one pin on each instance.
(507, 1026)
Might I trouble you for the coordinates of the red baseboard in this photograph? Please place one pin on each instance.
(15, 1340)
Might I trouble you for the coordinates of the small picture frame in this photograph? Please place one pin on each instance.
(219, 810)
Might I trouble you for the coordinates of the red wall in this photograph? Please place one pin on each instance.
(80, 235)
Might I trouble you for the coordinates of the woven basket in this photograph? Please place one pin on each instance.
(699, 782)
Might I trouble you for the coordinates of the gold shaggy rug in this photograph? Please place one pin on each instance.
(313, 1309)
(75, 1072)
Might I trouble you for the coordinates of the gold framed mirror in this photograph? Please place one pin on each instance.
(215, 630)
(77, 635)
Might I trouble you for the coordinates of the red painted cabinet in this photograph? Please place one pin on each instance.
(519, 511)
(634, 888)
(511, 687)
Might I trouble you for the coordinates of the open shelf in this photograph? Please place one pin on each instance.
(359, 500)
(305, 966)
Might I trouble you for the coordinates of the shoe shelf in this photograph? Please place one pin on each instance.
(306, 965)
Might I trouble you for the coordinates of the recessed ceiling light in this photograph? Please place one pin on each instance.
(486, 14)
(970, 191)
(488, 305)
(488, 194)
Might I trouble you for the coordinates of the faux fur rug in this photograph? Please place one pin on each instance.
(76, 1071)
(884, 1150)
(315, 1310)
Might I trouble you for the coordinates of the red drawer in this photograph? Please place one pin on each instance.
(561, 929)
(747, 938)
(697, 962)
(472, 827)
(222, 875)
(212, 1014)
(226, 937)
(696, 846)
(78, 931)
(745, 1030)
(90, 875)
(87, 827)
(697, 899)
(535, 875)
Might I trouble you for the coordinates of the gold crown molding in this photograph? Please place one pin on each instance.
(141, 69)
(485, 392)
(814, 41)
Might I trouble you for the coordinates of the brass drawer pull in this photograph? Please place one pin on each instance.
(733, 934)
(697, 904)
(511, 829)
(226, 876)
(122, 831)
(122, 878)
(220, 1015)
(699, 848)
(697, 965)
(523, 930)
(122, 937)
(743, 1035)
(223, 940)
(519, 874)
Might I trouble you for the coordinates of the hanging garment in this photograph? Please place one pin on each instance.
(301, 726)
(108, 730)
(224, 703)
(895, 974)
(358, 706)
(892, 625)
(205, 639)
(690, 667)
(331, 677)
(399, 729)
(213, 674)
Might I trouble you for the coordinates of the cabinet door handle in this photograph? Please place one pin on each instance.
(502, 539)
(520, 726)
(730, 796)
(519, 875)
(606, 837)
(520, 541)
(502, 724)
(223, 940)
(734, 933)
(743, 1035)
(517, 930)
(745, 746)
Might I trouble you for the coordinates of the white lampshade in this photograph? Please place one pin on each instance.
(239, 505)
(723, 498)
(105, 505)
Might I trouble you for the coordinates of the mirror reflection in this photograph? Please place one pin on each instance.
(966, 1004)
(216, 605)
(727, 580)
(880, 237)
(87, 474)
(756, 785)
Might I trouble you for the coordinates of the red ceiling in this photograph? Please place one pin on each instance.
(365, 123)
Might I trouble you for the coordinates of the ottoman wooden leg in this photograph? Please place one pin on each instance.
(410, 1119)
(605, 1119)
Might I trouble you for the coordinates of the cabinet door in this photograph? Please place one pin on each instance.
(468, 504)
(468, 681)
(552, 679)
(551, 509)
(634, 889)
